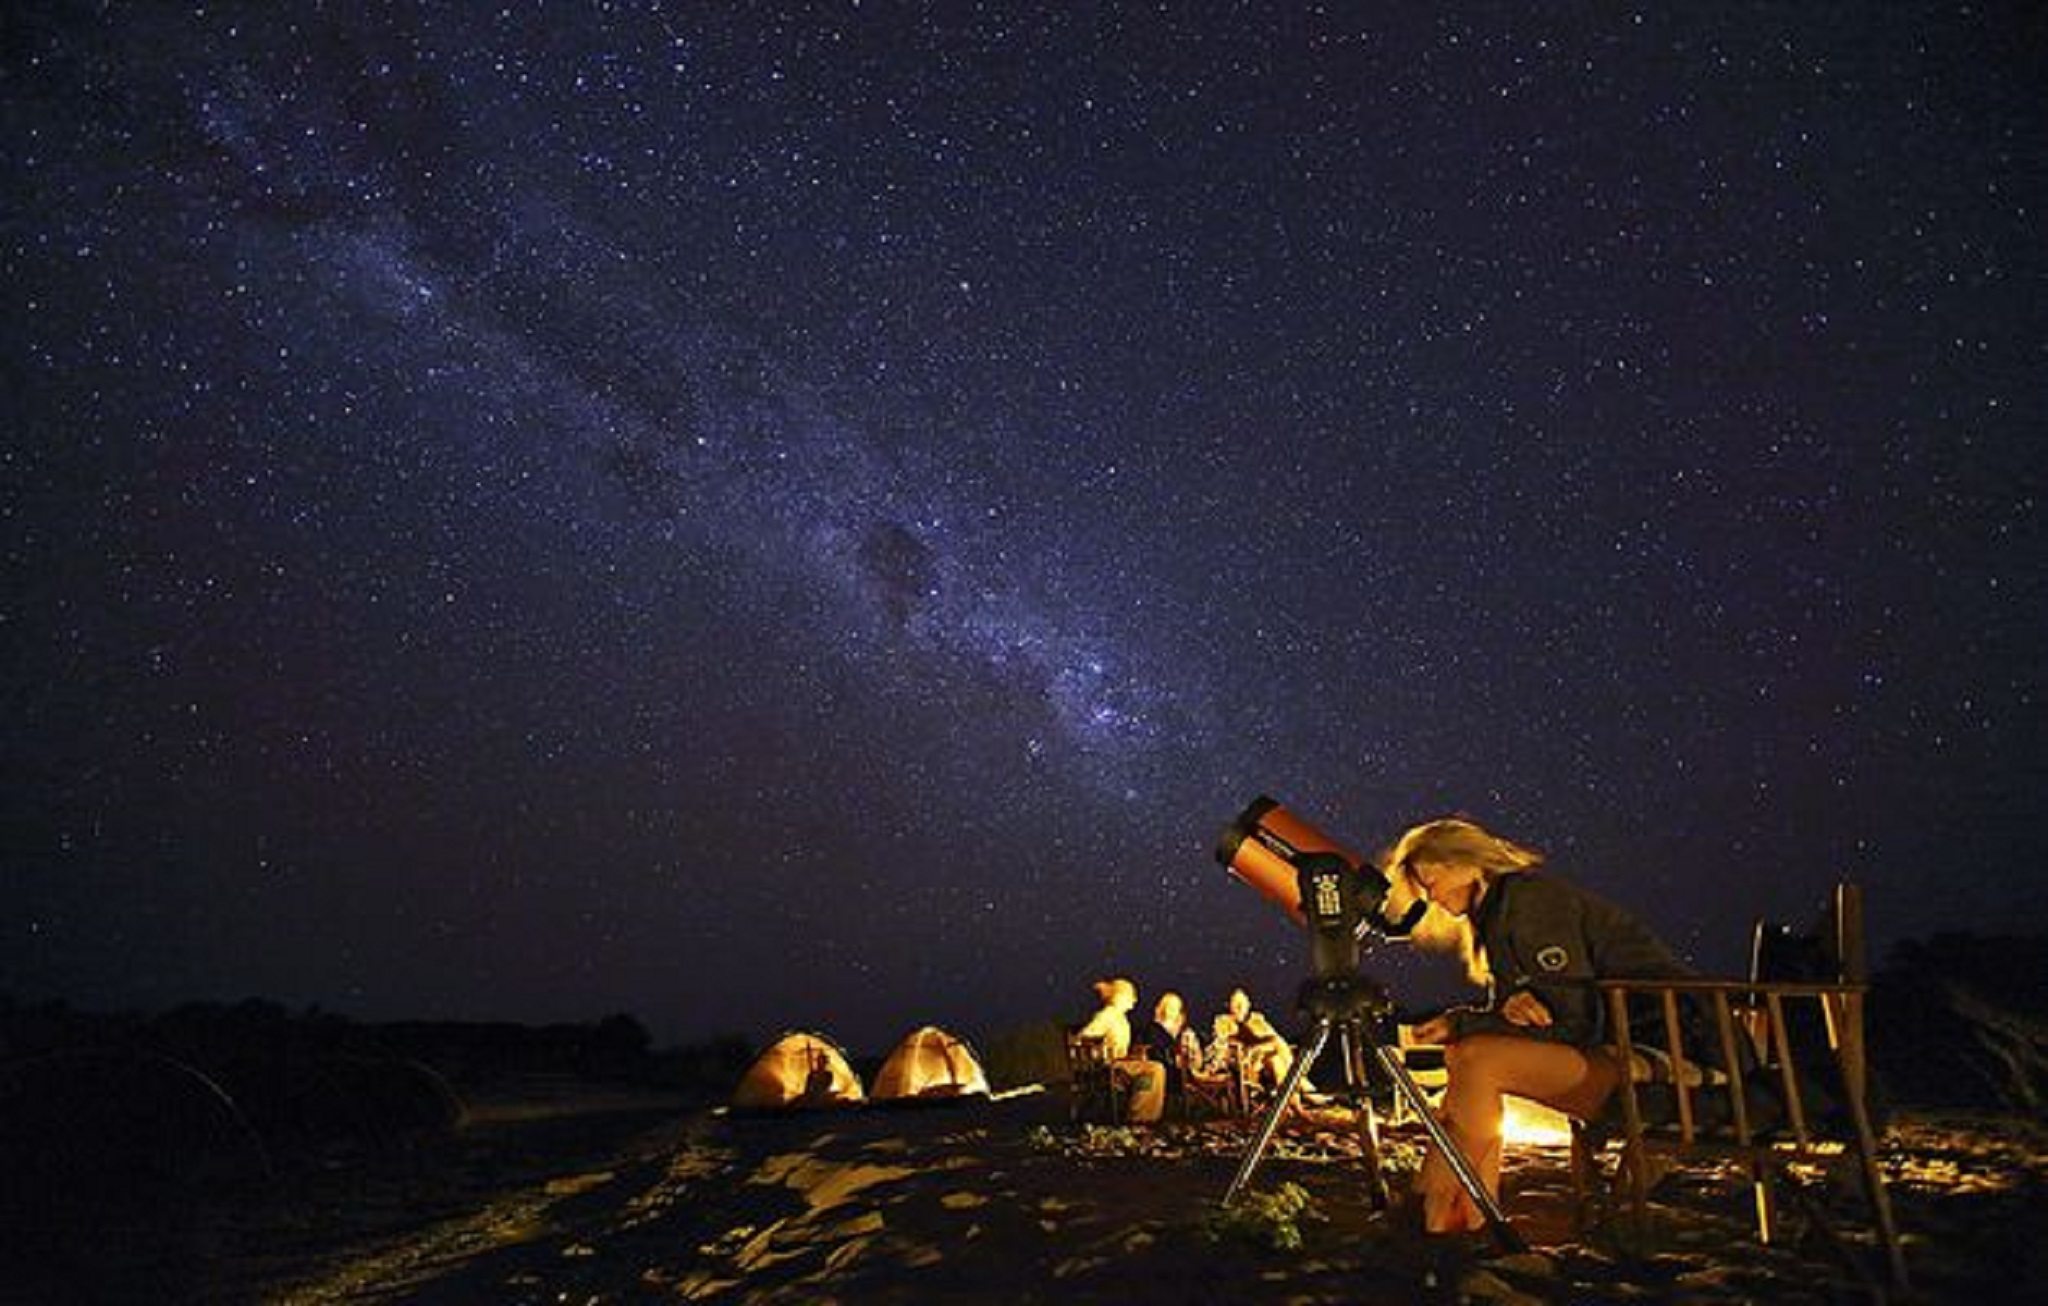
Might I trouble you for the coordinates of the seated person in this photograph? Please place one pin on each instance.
(1219, 1056)
(1265, 1054)
(1517, 928)
(1172, 1036)
(1140, 1080)
(1111, 1023)
(1175, 1043)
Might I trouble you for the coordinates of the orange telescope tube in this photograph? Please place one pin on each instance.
(1260, 846)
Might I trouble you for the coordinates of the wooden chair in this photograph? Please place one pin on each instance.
(1744, 1088)
(1094, 1091)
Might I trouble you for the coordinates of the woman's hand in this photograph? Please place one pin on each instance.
(1400, 896)
(1524, 1008)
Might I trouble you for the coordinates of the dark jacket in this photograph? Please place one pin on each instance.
(1537, 930)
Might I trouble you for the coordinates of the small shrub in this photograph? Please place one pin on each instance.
(1268, 1219)
(1093, 1141)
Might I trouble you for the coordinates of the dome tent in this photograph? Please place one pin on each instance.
(930, 1065)
(798, 1071)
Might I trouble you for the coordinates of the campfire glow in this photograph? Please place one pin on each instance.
(1531, 1124)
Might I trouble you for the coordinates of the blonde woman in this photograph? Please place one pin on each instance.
(1111, 1024)
(1519, 931)
(1141, 1080)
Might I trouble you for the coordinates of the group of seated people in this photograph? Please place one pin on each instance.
(1242, 1050)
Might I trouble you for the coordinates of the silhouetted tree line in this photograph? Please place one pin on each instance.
(614, 1049)
(1027, 1054)
(1961, 1020)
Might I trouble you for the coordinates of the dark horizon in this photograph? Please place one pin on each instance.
(778, 520)
(1996, 968)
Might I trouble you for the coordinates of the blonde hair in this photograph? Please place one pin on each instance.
(1109, 990)
(1459, 842)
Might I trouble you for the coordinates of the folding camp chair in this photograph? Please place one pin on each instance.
(1223, 1091)
(1746, 1089)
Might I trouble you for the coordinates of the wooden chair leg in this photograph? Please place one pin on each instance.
(1635, 1175)
(1766, 1202)
(1585, 1173)
(1876, 1194)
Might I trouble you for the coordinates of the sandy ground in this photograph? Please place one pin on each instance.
(627, 1201)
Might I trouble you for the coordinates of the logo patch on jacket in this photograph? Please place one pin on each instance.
(1553, 958)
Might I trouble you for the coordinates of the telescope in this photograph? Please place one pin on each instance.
(1337, 896)
(1321, 884)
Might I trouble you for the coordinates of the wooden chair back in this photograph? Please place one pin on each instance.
(1094, 1092)
(1735, 1077)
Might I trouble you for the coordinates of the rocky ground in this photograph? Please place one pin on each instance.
(1010, 1202)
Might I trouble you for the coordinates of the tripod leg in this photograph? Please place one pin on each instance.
(1288, 1089)
(1411, 1092)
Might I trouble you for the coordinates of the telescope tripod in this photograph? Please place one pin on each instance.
(1341, 1008)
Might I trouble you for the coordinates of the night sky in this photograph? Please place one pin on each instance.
(768, 516)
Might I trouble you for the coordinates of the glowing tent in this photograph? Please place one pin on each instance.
(797, 1072)
(930, 1065)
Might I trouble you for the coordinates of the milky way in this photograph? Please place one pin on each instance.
(759, 517)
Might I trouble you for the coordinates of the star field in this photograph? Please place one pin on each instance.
(814, 515)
